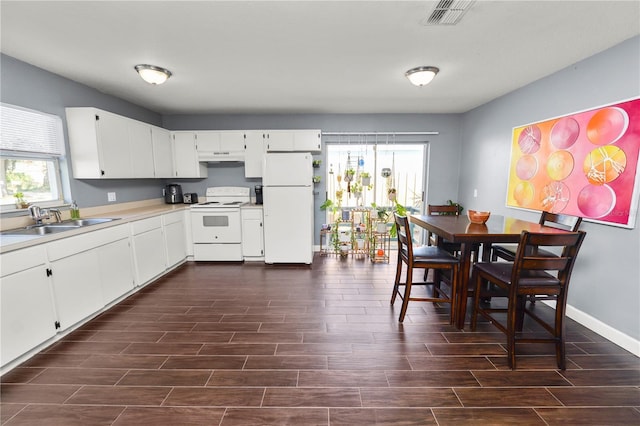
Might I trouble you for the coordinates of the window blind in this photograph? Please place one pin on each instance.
(24, 130)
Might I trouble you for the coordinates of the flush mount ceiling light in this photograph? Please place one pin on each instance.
(153, 74)
(421, 76)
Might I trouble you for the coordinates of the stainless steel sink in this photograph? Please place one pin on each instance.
(40, 230)
(54, 228)
(82, 222)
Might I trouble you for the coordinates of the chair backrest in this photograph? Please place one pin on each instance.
(405, 245)
(561, 221)
(528, 259)
(446, 209)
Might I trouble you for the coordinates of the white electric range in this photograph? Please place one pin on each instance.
(216, 224)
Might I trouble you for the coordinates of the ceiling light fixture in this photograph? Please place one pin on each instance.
(153, 74)
(421, 76)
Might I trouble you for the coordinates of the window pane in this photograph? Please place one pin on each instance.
(396, 166)
(36, 179)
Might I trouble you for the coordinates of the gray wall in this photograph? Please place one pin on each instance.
(606, 279)
(31, 87)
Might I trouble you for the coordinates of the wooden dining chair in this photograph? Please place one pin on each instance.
(444, 209)
(424, 257)
(553, 220)
(529, 274)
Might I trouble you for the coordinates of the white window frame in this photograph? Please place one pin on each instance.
(10, 151)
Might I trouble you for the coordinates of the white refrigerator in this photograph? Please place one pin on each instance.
(287, 191)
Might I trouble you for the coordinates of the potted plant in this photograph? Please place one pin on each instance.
(365, 178)
(451, 203)
(21, 203)
(316, 163)
(356, 190)
(328, 204)
(383, 216)
(349, 174)
(391, 193)
(316, 178)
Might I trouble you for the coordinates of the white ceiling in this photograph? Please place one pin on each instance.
(309, 56)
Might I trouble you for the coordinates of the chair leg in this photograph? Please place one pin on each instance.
(511, 332)
(559, 332)
(407, 293)
(454, 295)
(396, 283)
(476, 280)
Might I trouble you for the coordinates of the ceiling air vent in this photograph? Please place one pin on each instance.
(448, 12)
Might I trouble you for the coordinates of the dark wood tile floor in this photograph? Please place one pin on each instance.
(229, 344)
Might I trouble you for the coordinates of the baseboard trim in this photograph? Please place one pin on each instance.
(619, 338)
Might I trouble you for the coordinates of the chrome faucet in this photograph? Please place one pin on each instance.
(38, 214)
(57, 214)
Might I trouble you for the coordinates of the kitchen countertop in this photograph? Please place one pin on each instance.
(124, 212)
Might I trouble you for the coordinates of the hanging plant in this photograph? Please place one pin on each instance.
(349, 174)
(391, 194)
(316, 163)
(365, 177)
(386, 172)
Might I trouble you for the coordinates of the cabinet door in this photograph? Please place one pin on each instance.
(27, 315)
(307, 140)
(141, 148)
(113, 139)
(231, 141)
(76, 287)
(149, 255)
(253, 154)
(185, 156)
(174, 235)
(279, 140)
(116, 270)
(208, 141)
(162, 153)
(252, 234)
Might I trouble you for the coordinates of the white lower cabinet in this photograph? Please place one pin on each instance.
(252, 233)
(149, 253)
(116, 269)
(27, 316)
(76, 288)
(174, 237)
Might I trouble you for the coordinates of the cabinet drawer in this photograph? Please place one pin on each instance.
(175, 217)
(77, 244)
(21, 260)
(146, 225)
(251, 213)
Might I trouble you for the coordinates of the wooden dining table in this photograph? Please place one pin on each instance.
(458, 229)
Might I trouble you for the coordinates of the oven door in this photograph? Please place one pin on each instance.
(216, 226)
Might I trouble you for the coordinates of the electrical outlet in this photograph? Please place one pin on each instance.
(475, 193)
(111, 196)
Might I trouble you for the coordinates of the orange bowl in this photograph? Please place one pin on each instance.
(478, 217)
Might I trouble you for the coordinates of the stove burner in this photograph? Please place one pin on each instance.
(231, 203)
(208, 203)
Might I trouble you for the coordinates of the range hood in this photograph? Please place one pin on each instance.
(220, 156)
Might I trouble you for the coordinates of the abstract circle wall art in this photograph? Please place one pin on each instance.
(583, 164)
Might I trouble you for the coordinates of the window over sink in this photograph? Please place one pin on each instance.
(31, 146)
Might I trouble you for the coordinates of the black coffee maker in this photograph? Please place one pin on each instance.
(258, 189)
(173, 194)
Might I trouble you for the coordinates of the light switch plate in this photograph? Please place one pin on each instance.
(111, 196)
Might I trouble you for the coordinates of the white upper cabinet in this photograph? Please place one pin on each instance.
(162, 152)
(254, 150)
(141, 149)
(293, 140)
(220, 145)
(108, 146)
(185, 156)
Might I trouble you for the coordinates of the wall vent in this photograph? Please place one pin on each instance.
(447, 12)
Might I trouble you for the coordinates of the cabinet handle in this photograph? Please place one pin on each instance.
(49, 272)
(57, 324)
(102, 172)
